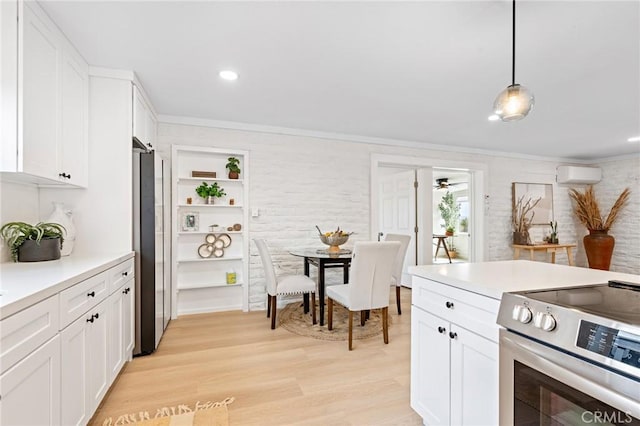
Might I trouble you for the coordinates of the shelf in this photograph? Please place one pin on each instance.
(211, 205)
(190, 179)
(210, 259)
(209, 285)
(208, 232)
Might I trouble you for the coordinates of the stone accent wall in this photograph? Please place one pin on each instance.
(297, 182)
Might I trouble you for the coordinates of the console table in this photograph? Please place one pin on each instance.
(547, 248)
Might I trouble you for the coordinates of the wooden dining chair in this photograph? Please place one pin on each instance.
(368, 287)
(398, 265)
(283, 285)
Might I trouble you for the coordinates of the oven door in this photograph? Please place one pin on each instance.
(540, 385)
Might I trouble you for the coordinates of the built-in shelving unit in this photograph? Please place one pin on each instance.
(200, 283)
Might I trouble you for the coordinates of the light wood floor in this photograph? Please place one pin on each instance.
(276, 377)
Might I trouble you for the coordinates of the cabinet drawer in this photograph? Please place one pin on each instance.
(464, 308)
(83, 296)
(25, 331)
(119, 274)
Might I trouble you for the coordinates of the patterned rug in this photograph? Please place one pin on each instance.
(293, 319)
(203, 414)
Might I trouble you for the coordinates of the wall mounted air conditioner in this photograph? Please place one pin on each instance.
(578, 174)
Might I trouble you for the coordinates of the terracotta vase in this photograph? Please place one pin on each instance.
(599, 247)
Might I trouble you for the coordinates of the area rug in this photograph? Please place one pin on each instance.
(203, 414)
(293, 319)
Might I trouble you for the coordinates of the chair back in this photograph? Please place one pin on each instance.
(267, 264)
(398, 266)
(371, 267)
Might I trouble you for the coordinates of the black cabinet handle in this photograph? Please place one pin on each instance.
(449, 305)
(441, 330)
(96, 316)
(92, 294)
(126, 290)
(90, 319)
(124, 274)
(453, 335)
(64, 175)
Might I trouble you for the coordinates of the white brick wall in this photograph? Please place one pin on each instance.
(298, 182)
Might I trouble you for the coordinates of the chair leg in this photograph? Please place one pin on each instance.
(268, 305)
(385, 324)
(398, 299)
(350, 329)
(329, 313)
(363, 317)
(274, 304)
(313, 307)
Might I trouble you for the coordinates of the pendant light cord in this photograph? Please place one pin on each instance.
(513, 46)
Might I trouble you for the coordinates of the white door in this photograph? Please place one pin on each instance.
(397, 212)
(430, 367)
(98, 342)
(116, 329)
(474, 379)
(75, 363)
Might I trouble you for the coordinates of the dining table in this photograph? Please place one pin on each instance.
(322, 259)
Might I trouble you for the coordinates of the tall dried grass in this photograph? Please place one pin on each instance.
(588, 212)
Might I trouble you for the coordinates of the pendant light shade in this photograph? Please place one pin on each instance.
(516, 101)
(513, 103)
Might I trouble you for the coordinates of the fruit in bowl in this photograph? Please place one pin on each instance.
(334, 239)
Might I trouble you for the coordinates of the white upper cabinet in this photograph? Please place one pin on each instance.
(144, 122)
(44, 112)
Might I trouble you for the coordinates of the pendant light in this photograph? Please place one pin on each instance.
(516, 101)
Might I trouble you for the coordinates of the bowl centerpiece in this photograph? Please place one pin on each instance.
(334, 239)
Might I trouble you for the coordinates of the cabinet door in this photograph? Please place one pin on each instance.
(98, 341)
(129, 318)
(73, 148)
(139, 117)
(39, 103)
(8, 84)
(76, 408)
(116, 330)
(30, 390)
(430, 367)
(474, 379)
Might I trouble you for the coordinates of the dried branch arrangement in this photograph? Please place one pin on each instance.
(588, 212)
(520, 219)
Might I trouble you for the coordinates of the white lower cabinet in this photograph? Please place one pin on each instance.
(454, 371)
(121, 328)
(85, 376)
(30, 390)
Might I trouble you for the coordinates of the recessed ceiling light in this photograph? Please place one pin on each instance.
(634, 139)
(494, 117)
(228, 75)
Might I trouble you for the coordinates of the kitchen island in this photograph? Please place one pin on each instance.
(454, 335)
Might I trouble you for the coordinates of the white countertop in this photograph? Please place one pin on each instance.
(23, 284)
(491, 279)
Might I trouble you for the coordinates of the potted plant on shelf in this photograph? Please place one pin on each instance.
(33, 243)
(521, 219)
(210, 192)
(233, 167)
(598, 244)
(450, 213)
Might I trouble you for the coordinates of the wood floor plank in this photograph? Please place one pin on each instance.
(275, 376)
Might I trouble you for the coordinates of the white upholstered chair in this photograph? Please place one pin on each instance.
(368, 287)
(396, 274)
(285, 284)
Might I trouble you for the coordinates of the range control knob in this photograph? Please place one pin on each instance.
(544, 321)
(522, 313)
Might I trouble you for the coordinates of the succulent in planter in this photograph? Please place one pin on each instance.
(210, 192)
(233, 167)
(25, 240)
(450, 212)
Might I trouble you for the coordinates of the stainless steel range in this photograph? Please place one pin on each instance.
(571, 356)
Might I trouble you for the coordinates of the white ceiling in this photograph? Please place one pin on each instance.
(424, 72)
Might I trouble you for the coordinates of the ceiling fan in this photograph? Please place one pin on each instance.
(443, 183)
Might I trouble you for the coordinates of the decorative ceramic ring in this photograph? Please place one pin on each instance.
(218, 252)
(226, 240)
(218, 243)
(210, 238)
(205, 250)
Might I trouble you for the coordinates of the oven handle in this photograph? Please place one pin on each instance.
(536, 356)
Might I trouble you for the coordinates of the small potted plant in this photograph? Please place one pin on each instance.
(553, 237)
(521, 219)
(210, 192)
(33, 243)
(233, 167)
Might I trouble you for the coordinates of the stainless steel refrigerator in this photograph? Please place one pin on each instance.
(153, 301)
